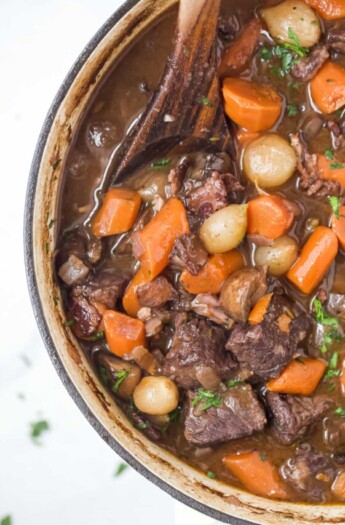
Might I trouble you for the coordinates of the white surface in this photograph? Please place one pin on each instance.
(69, 479)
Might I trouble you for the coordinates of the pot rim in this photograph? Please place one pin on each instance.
(33, 288)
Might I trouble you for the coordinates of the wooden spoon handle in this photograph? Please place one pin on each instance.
(187, 102)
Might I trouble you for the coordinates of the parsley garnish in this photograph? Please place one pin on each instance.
(206, 102)
(51, 223)
(292, 110)
(98, 335)
(103, 375)
(289, 54)
(234, 382)
(56, 164)
(332, 370)
(337, 166)
(142, 425)
(211, 474)
(160, 163)
(329, 154)
(263, 456)
(335, 205)
(121, 376)
(207, 398)
(340, 411)
(37, 429)
(120, 469)
(7, 520)
(69, 323)
(326, 320)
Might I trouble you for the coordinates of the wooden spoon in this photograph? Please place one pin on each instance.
(186, 108)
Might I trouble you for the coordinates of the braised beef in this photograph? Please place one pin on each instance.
(241, 291)
(292, 416)
(189, 252)
(336, 37)
(85, 315)
(156, 293)
(209, 197)
(197, 344)
(309, 472)
(208, 305)
(240, 414)
(306, 68)
(338, 133)
(106, 287)
(266, 348)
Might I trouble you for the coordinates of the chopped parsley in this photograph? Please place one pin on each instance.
(206, 399)
(340, 411)
(69, 323)
(289, 54)
(335, 205)
(7, 520)
(234, 382)
(51, 223)
(211, 474)
(120, 377)
(103, 375)
(98, 335)
(56, 164)
(292, 110)
(120, 469)
(206, 102)
(263, 456)
(332, 324)
(37, 429)
(214, 139)
(142, 425)
(333, 370)
(329, 154)
(337, 166)
(160, 163)
(47, 248)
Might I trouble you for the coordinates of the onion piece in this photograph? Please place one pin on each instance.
(208, 377)
(144, 359)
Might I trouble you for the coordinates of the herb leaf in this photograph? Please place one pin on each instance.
(292, 110)
(340, 411)
(211, 474)
(335, 204)
(263, 456)
(121, 376)
(206, 399)
(120, 469)
(160, 163)
(7, 520)
(329, 154)
(37, 429)
(98, 335)
(337, 166)
(322, 317)
(234, 382)
(206, 102)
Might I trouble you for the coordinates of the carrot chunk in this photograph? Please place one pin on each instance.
(250, 105)
(123, 333)
(269, 216)
(213, 274)
(338, 487)
(118, 212)
(257, 474)
(300, 377)
(328, 9)
(315, 260)
(338, 226)
(159, 235)
(328, 87)
(258, 313)
(130, 300)
(331, 169)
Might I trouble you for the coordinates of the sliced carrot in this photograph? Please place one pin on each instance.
(118, 212)
(123, 333)
(243, 136)
(331, 169)
(213, 274)
(342, 378)
(269, 216)
(241, 50)
(257, 474)
(338, 226)
(328, 87)
(250, 105)
(130, 300)
(328, 9)
(300, 377)
(258, 313)
(338, 487)
(315, 260)
(159, 235)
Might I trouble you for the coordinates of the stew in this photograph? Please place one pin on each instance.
(208, 289)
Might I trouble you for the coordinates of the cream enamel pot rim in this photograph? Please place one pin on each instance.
(209, 496)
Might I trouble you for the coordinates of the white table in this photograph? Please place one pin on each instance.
(69, 479)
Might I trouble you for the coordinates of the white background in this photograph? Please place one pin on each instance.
(69, 479)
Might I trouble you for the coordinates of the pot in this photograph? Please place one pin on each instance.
(191, 487)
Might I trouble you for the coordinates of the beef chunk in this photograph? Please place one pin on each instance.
(208, 305)
(237, 56)
(189, 252)
(336, 37)
(267, 347)
(310, 180)
(241, 291)
(292, 416)
(307, 472)
(228, 27)
(73, 271)
(197, 345)
(86, 315)
(209, 197)
(177, 175)
(240, 414)
(105, 288)
(156, 293)
(306, 68)
(338, 133)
